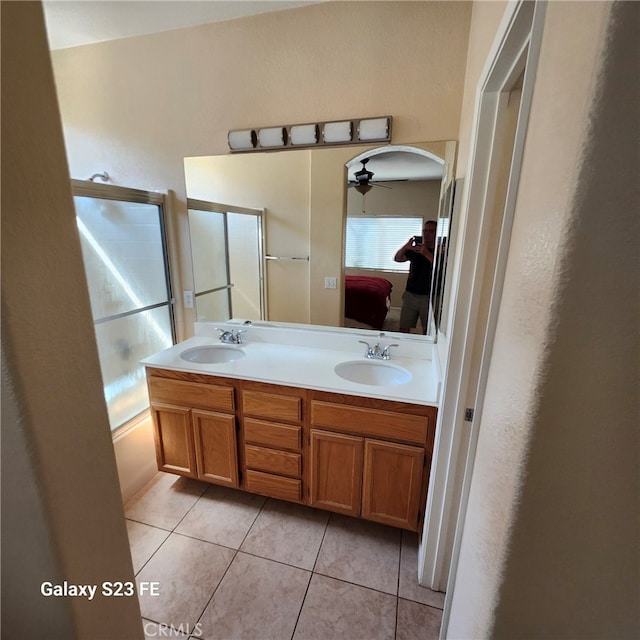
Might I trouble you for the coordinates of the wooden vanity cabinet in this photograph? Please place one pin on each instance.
(272, 419)
(195, 425)
(357, 456)
(370, 458)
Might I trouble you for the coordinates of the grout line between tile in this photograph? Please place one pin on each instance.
(354, 584)
(215, 544)
(324, 533)
(235, 555)
(422, 604)
(253, 522)
(155, 526)
(306, 591)
(282, 562)
(213, 593)
(395, 629)
(188, 511)
(135, 575)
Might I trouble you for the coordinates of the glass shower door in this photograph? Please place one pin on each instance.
(123, 247)
(210, 265)
(227, 254)
(244, 238)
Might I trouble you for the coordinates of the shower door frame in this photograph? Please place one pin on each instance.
(225, 209)
(89, 189)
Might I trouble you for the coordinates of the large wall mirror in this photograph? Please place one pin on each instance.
(318, 226)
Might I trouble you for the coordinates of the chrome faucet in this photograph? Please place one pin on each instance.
(377, 352)
(231, 336)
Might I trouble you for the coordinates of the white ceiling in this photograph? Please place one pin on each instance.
(71, 23)
(390, 164)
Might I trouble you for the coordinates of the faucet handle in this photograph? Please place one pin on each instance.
(369, 352)
(226, 336)
(386, 354)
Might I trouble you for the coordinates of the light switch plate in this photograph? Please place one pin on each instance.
(330, 283)
(187, 299)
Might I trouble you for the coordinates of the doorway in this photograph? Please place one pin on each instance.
(486, 216)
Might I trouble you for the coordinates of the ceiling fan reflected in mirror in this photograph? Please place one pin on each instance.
(363, 179)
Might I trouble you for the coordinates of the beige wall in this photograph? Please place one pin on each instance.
(137, 107)
(550, 545)
(62, 516)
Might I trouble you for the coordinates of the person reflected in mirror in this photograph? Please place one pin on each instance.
(418, 250)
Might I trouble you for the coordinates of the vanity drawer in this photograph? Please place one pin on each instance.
(274, 486)
(370, 422)
(272, 460)
(191, 394)
(272, 405)
(281, 436)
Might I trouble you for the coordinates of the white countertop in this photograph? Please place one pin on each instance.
(309, 367)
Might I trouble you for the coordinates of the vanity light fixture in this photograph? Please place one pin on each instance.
(334, 132)
(272, 137)
(373, 129)
(304, 134)
(242, 140)
(314, 134)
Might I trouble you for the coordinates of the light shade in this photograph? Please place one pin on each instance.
(245, 139)
(303, 134)
(337, 132)
(373, 129)
(272, 137)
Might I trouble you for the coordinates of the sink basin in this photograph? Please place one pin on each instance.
(212, 354)
(372, 373)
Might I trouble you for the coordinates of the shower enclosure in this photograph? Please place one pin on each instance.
(122, 235)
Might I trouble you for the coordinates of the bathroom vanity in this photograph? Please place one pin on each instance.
(274, 416)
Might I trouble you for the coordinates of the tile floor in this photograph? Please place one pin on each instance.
(233, 565)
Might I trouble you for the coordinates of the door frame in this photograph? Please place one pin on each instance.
(516, 48)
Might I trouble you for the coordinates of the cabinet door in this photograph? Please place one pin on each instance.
(336, 472)
(174, 439)
(216, 449)
(391, 483)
